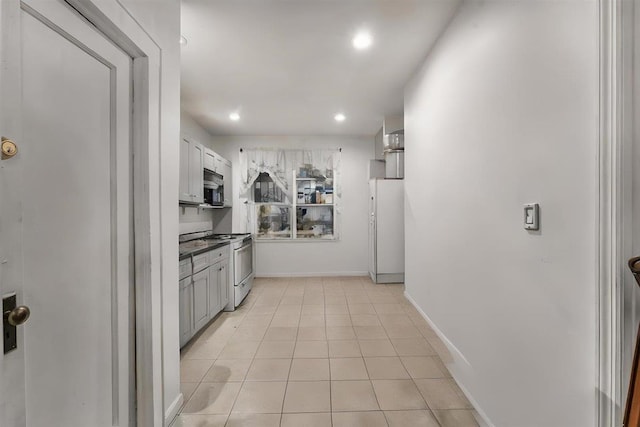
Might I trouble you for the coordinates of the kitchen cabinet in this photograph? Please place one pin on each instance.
(218, 162)
(214, 289)
(209, 160)
(206, 293)
(223, 279)
(191, 172)
(213, 161)
(201, 286)
(185, 308)
(219, 284)
(226, 175)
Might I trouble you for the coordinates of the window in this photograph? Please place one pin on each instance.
(291, 194)
(273, 209)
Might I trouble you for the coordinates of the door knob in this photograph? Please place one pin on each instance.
(9, 148)
(18, 315)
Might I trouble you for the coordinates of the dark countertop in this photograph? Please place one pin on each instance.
(196, 247)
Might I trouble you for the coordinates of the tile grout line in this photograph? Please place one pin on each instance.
(328, 363)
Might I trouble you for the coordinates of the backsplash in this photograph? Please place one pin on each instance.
(194, 219)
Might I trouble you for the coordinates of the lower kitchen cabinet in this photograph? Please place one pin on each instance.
(203, 295)
(186, 312)
(224, 283)
(201, 286)
(218, 286)
(214, 289)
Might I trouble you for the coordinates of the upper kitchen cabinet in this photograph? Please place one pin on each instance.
(226, 174)
(191, 172)
(214, 162)
(210, 160)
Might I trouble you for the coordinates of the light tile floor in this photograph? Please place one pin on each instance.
(320, 352)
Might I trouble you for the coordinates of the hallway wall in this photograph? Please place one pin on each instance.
(505, 112)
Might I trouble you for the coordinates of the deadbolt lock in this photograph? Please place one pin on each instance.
(9, 148)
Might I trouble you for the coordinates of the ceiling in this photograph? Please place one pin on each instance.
(288, 66)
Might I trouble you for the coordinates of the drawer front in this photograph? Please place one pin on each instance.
(185, 268)
(200, 262)
(218, 254)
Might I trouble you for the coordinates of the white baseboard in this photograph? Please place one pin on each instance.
(315, 274)
(452, 348)
(172, 410)
(484, 421)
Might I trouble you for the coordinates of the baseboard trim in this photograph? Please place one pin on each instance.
(172, 410)
(316, 274)
(484, 420)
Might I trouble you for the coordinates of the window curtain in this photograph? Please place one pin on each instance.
(280, 164)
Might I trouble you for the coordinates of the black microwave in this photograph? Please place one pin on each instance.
(213, 188)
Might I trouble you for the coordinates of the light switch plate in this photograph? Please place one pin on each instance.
(531, 216)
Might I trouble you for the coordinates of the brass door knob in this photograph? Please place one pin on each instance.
(18, 315)
(9, 148)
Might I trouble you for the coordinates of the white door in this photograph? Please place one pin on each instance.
(66, 219)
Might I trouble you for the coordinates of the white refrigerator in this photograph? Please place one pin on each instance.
(386, 230)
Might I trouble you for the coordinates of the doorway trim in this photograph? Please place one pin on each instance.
(615, 205)
(116, 23)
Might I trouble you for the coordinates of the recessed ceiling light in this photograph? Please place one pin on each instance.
(339, 117)
(234, 116)
(183, 41)
(362, 40)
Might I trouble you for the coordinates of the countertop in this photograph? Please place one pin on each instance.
(195, 247)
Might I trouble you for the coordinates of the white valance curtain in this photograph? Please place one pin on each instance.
(279, 164)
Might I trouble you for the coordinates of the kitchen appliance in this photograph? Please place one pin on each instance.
(213, 188)
(394, 164)
(393, 145)
(393, 141)
(386, 230)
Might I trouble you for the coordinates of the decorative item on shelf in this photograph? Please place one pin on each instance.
(318, 194)
(307, 194)
(328, 197)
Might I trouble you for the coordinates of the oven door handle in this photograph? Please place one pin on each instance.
(243, 248)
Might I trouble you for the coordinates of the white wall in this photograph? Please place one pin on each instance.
(190, 129)
(505, 112)
(161, 20)
(348, 256)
